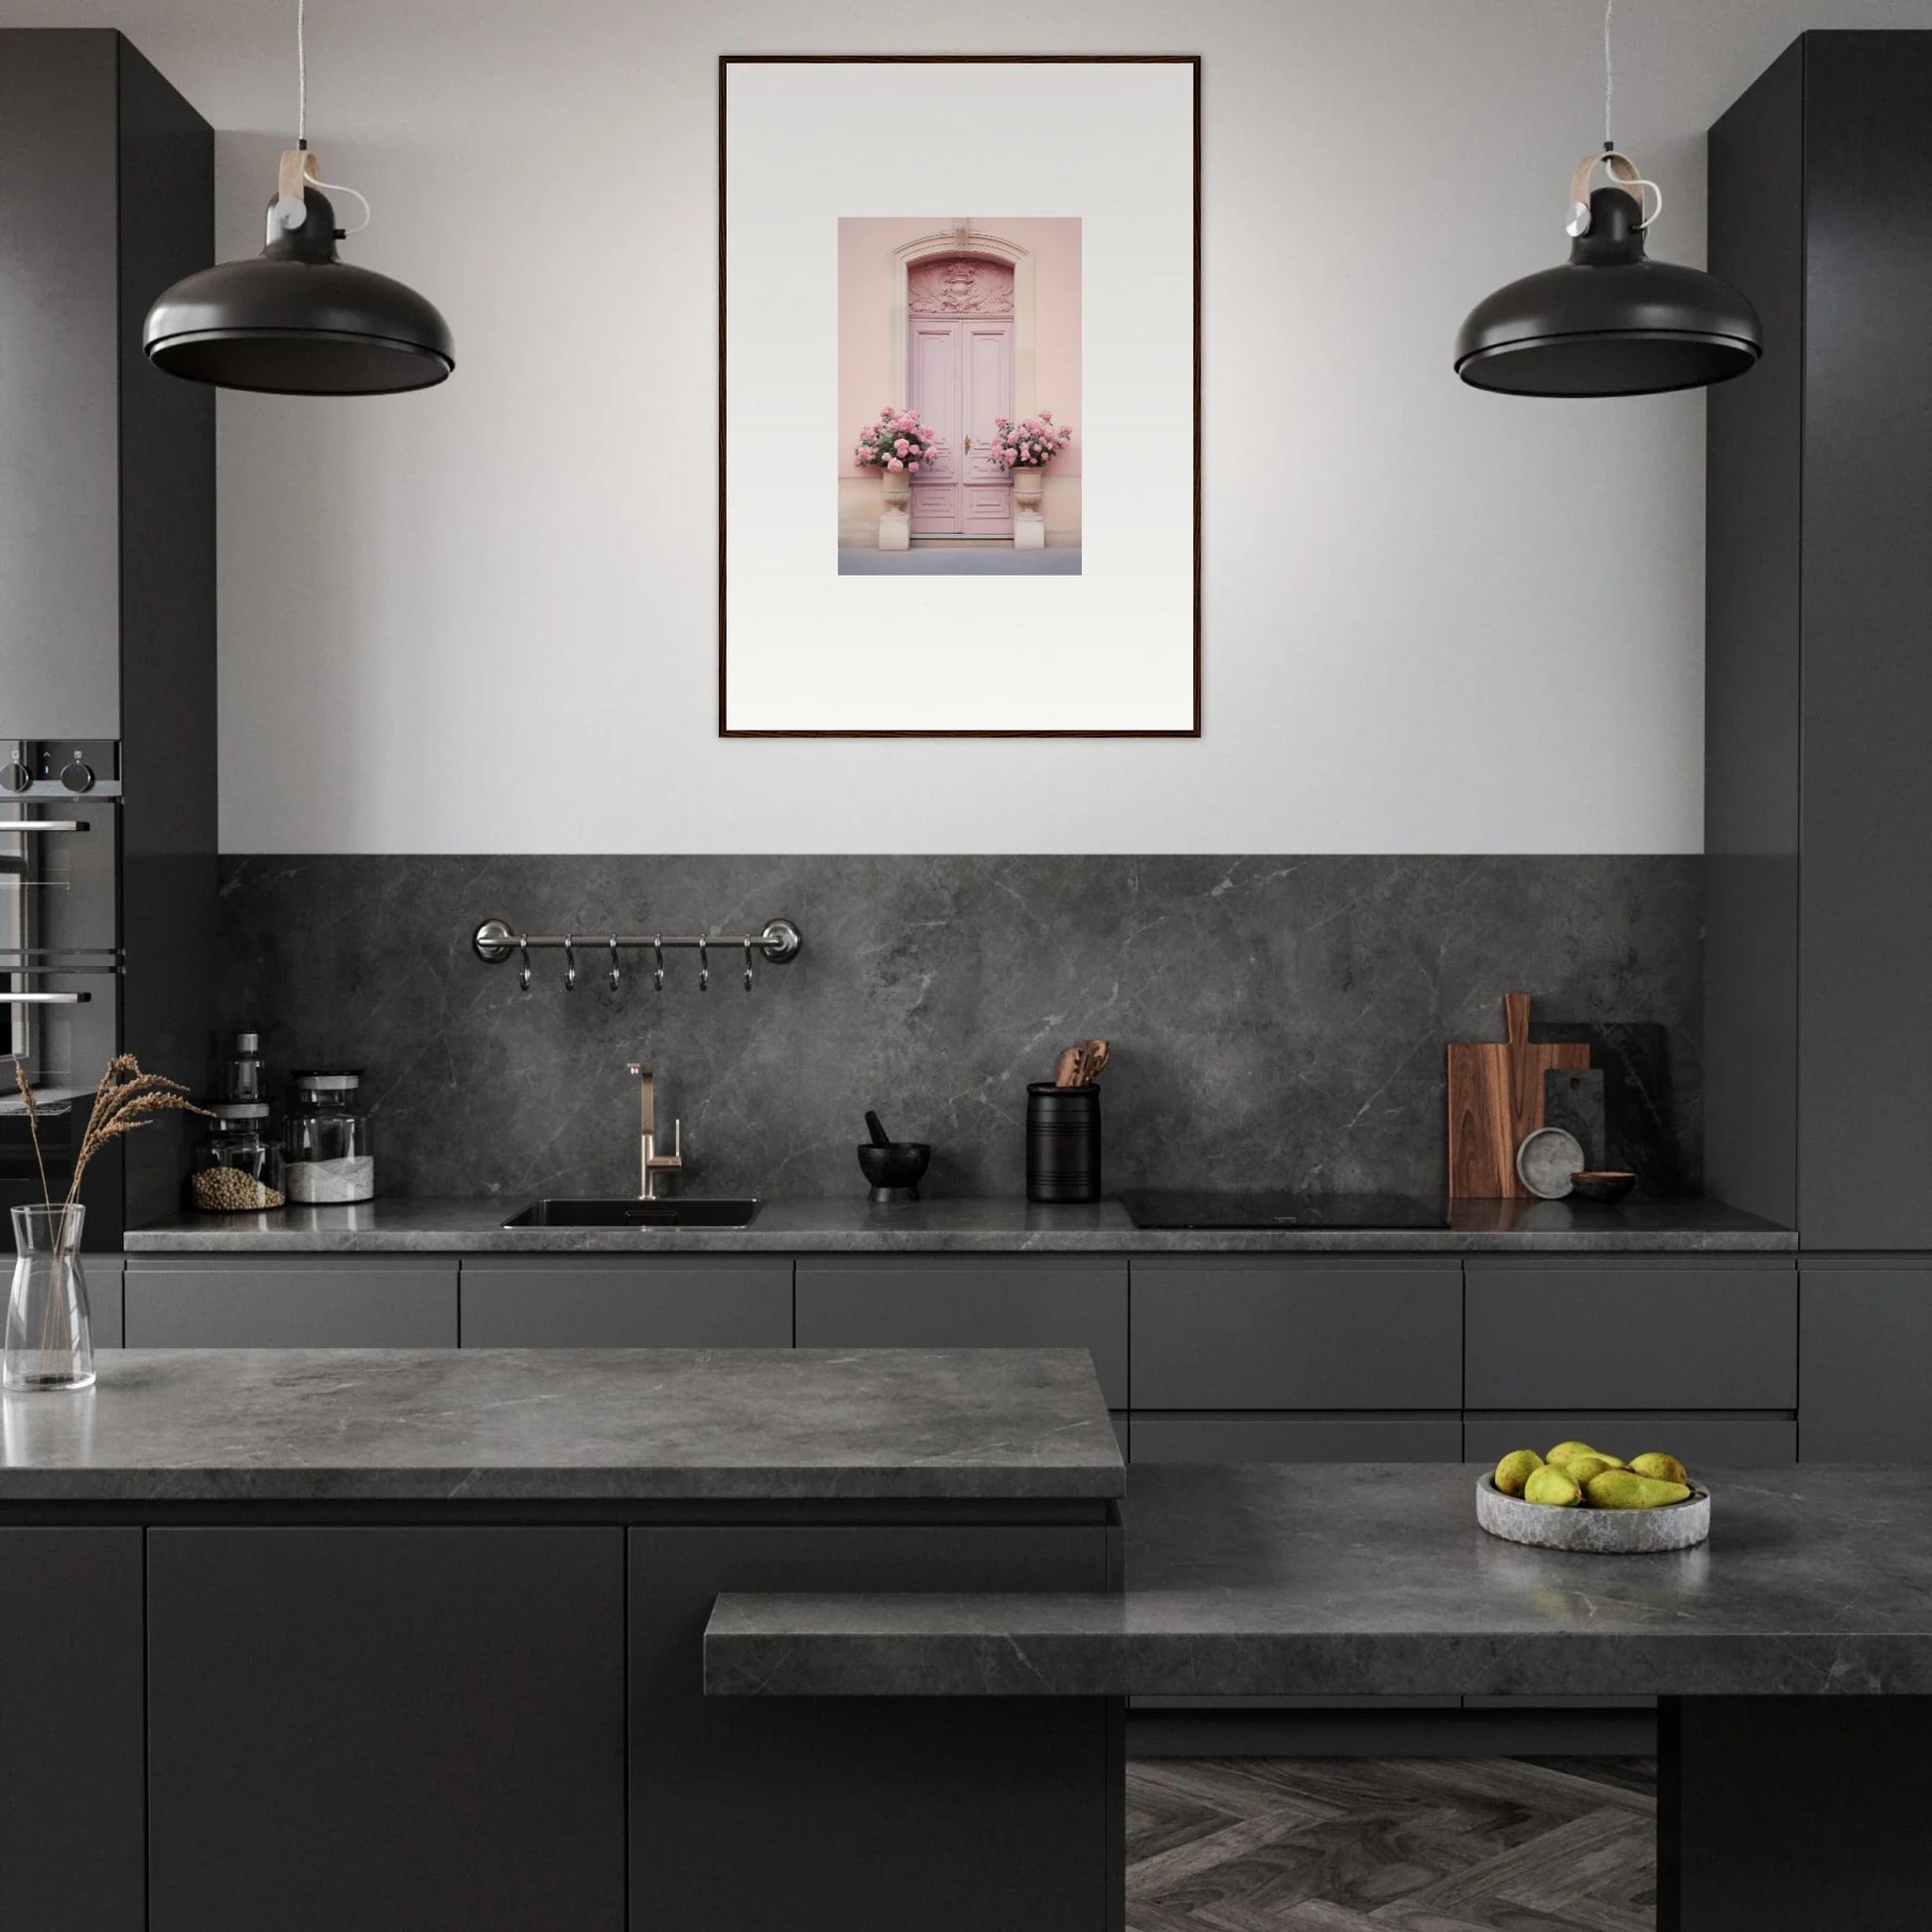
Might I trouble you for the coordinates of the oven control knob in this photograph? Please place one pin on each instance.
(15, 776)
(77, 776)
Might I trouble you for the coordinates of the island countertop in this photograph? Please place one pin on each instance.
(1373, 1578)
(963, 1225)
(566, 1425)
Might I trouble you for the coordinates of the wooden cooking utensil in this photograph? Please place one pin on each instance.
(1066, 1069)
(1495, 1100)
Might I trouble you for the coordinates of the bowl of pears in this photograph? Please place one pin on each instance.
(1583, 1498)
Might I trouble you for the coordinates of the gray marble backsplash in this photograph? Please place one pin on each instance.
(1276, 1022)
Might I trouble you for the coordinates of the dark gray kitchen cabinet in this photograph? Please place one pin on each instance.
(962, 1302)
(1011, 1796)
(1739, 1440)
(1550, 1332)
(1866, 1349)
(1269, 1332)
(104, 1273)
(1161, 1437)
(106, 465)
(1817, 1032)
(617, 1302)
(387, 1727)
(283, 1301)
(72, 1817)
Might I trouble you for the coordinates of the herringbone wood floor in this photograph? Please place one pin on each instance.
(1391, 1845)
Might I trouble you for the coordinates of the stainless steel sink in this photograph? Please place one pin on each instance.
(620, 1213)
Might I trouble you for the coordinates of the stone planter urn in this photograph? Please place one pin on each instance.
(896, 521)
(1029, 525)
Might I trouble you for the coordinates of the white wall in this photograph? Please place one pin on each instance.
(484, 619)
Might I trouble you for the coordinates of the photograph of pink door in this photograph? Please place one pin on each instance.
(961, 374)
(968, 332)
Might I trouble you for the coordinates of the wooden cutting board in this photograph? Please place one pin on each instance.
(1495, 1100)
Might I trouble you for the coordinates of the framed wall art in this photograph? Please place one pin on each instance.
(959, 396)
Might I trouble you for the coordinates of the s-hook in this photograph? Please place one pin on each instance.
(658, 976)
(569, 963)
(748, 965)
(617, 971)
(523, 947)
(704, 966)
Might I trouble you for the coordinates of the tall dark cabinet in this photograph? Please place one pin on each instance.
(1819, 716)
(1819, 680)
(107, 696)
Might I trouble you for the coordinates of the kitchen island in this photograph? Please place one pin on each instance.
(1793, 1651)
(390, 1638)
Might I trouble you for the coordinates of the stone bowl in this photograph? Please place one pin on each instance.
(1598, 1532)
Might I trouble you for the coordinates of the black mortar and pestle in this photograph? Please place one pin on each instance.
(892, 1167)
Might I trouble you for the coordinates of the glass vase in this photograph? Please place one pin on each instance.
(49, 1334)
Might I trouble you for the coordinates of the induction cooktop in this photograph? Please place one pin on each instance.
(1160, 1209)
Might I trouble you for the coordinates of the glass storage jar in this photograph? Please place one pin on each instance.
(331, 1158)
(238, 1165)
(238, 1067)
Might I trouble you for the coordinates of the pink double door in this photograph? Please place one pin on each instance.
(962, 382)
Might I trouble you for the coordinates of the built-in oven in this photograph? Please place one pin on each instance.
(61, 962)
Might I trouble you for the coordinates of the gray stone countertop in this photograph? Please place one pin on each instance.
(543, 1425)
(1373, 1578)
(961, 1226)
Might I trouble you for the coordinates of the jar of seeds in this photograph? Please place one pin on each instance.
(330, 1155)
(238, 1165)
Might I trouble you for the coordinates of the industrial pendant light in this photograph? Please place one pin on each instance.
(296, 320)
(1610, 322)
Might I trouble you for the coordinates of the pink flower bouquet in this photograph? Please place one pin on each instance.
(1030, 443)
(897, 441)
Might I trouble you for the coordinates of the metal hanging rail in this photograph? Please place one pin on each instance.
(495, 941)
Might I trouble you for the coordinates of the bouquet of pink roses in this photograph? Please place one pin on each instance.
(1033, 441)
(897, 441)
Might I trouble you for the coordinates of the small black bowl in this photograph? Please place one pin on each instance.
(895, 1169)
(1604, 1187)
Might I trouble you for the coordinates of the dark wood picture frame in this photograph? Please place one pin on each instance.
(728, 60)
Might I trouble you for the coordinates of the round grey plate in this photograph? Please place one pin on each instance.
(1598, 1532)
(1547, 1159)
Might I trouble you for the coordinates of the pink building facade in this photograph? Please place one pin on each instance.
(964, 320)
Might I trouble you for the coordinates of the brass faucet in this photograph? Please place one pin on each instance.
(651, 1163)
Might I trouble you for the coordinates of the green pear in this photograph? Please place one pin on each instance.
(1565, 1450)
(1515, 1470)
(1621, 1489)
(1580, 1468)
(1549, 1485)
(1666, 1469)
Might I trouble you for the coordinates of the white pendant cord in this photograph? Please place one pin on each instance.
(289, 211)
(1621, 170)
(1609, 72)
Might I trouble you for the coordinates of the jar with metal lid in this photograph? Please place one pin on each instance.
(238, 1165)
(330, 1156)
(238, 1067)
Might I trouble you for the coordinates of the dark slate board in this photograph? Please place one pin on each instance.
(1639, 1124)
(1572, 1099)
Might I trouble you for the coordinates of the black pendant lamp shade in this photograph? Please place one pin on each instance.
(297, 319)
(1610, 322)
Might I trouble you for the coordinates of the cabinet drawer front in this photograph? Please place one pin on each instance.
(948, 1302)
(1636, 1337)
(104, 1273)
(1235, 1333)
(268, 1304)
(1703, 1442)
(310, 1689)
(701, 1303)
(1867, 1354)
(1297, 1439)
